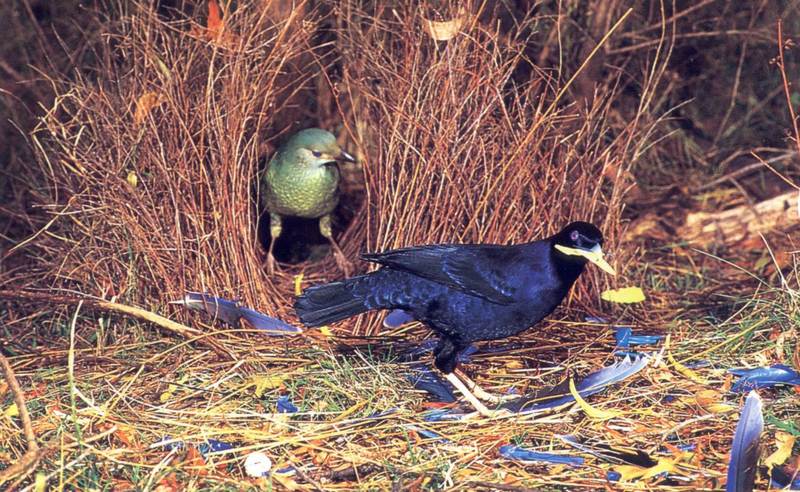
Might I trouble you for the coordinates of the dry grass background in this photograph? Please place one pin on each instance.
(453, 147)
(502, 134)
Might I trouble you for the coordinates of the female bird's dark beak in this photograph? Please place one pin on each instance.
(344, 156)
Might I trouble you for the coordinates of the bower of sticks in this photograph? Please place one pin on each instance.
(135, 139)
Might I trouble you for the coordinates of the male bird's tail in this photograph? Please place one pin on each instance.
(328, 303)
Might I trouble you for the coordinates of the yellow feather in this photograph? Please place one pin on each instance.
(589, 410)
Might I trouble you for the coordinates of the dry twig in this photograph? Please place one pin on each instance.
(27, 463)
(191, 334)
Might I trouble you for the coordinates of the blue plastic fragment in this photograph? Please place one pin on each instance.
(625, 337)
(397, 318)
(521, 454)
(645, 339)
(285, 405)
(272, 326)
(764, 377)
(627, 353)
(613, 476)
(214, 446)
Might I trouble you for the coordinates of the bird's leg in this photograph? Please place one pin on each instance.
(445, 355)
(476, 403)
(325, 229)
(481, 393)
(275, 229)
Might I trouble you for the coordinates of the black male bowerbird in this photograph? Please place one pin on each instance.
(464, 292)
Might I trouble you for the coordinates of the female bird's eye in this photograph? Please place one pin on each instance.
(573, 236)
(316, 153)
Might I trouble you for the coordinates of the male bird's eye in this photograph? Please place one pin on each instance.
(316, 153)
(573, 235)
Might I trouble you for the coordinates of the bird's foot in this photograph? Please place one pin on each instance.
(483, 394)
(480, 408)
(343, 263)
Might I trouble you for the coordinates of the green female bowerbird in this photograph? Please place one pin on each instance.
(302, 180)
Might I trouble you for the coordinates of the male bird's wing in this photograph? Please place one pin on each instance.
(487, 271)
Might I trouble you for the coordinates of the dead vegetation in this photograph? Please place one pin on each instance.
(514, 122)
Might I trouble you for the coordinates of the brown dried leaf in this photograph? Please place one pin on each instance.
(145, 104)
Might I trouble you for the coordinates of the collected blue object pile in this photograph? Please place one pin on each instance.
(232, 313)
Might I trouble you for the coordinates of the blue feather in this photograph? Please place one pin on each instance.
(745, 449)
(426, 380)
(764, 377)
(216, 307)
(442, 415)
(625, 337)
(521, 454)
(271, 326)
(231, 312)
(591, 384)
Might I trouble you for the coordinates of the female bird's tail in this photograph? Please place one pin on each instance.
(328, 303)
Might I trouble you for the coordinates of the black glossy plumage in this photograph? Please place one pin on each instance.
(463, 292)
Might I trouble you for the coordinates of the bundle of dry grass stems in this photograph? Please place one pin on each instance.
(464, 140)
